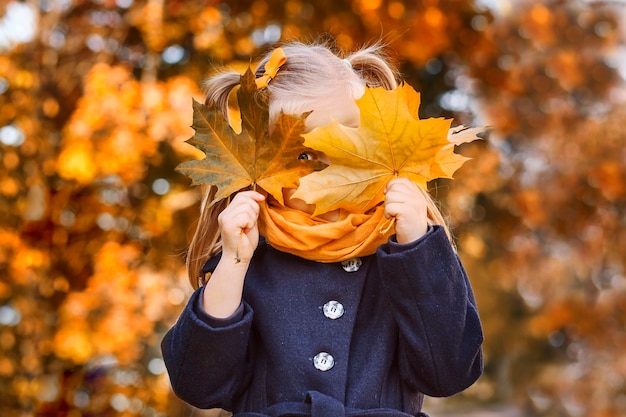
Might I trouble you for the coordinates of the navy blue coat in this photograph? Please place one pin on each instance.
(407, 325)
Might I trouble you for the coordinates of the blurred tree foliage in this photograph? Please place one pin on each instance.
(95, 105)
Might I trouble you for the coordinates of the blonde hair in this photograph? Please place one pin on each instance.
(311, 75)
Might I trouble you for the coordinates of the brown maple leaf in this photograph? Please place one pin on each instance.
(235, 161)
(390, 141)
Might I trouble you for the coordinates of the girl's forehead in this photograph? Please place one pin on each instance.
(344, 110)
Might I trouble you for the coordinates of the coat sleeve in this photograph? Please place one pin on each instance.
(206, 358)
(440, 331)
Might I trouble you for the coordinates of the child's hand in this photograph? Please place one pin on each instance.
(405, 202)
(238, 226)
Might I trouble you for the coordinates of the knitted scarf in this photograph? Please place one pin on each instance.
(296, 232)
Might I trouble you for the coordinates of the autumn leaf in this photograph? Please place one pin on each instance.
(391, 141)
(235, 161)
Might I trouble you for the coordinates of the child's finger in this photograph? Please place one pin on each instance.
(246, 201)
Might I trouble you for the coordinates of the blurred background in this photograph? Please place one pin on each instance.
(95, 106)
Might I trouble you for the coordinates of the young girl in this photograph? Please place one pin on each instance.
(349, 323)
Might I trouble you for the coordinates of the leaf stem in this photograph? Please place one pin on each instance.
(387, 225)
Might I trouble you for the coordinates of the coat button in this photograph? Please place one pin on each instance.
(323, 361)
(333, 309)
(351, 265)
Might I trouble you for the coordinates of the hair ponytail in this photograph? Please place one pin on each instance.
(373, 67)
(218, 89)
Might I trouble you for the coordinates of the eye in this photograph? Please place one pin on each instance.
(305, 157)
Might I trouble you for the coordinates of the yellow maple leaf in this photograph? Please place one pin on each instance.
(391, 141)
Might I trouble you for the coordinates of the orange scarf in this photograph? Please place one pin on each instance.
(300, 234)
